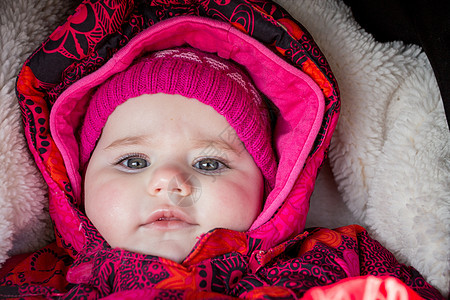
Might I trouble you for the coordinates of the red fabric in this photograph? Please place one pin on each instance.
(11, 263)
(319, 264)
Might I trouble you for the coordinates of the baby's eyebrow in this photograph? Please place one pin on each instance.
(214, 144)
(142, 140)
(128, 141)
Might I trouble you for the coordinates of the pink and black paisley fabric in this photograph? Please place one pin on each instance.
(317, 258)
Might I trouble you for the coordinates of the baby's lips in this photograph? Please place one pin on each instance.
(169, 215)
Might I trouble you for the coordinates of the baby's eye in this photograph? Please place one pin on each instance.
(134, 163)
(209, 165)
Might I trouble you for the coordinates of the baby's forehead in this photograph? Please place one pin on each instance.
(148, 118)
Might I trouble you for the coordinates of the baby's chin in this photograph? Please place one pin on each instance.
(174, 250)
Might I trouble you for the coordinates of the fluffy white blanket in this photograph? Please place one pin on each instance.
(389, 167)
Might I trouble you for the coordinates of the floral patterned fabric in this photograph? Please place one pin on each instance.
(276, 259)
(317, 258)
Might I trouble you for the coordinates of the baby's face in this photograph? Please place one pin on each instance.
(166, 170)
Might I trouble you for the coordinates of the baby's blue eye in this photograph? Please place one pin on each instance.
(209, 165)
(135, 163)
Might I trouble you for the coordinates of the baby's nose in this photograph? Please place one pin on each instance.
(170, 180)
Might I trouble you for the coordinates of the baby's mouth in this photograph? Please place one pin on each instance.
(168, 219)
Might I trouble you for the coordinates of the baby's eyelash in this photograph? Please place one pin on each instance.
(132, 162)
(128, 156)
(221, 165)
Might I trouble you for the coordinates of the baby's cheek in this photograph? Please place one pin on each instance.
(104, 209)
(236, 207)
(246, 215)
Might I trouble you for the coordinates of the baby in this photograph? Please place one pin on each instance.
(166, 179)
(167, 167)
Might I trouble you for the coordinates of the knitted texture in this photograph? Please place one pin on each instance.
(193, 74)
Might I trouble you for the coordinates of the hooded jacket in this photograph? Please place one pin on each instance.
(276, 258)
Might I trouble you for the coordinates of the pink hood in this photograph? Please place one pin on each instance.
(308, 105)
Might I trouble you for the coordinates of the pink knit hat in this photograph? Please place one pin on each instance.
(193, 74)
